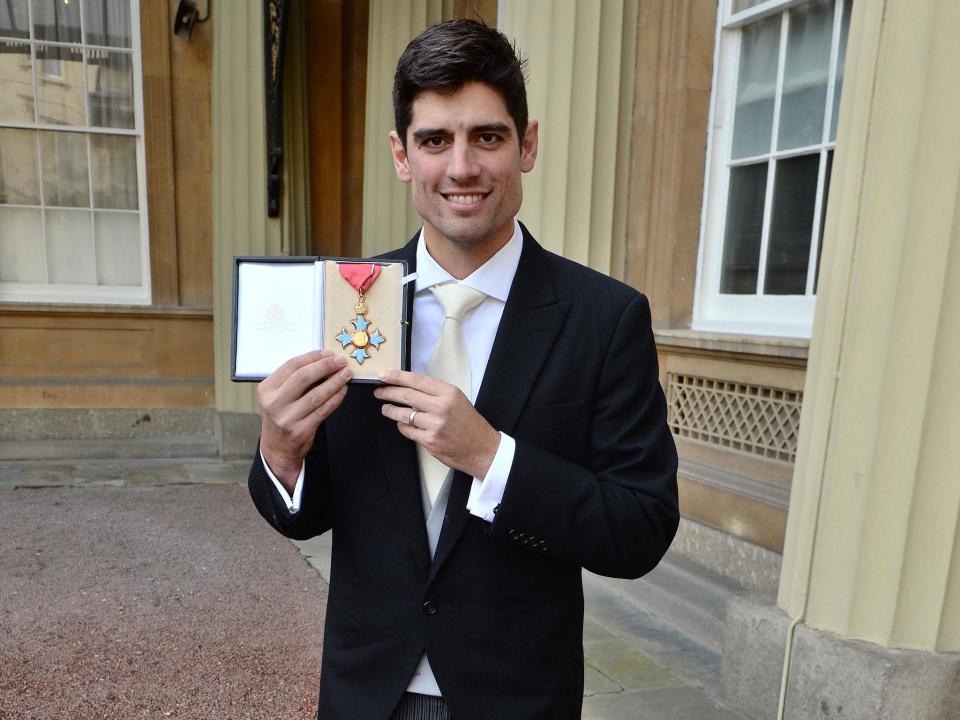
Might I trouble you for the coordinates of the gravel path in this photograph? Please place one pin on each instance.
(159, 601)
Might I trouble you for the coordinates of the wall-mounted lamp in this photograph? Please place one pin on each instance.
(187, 15)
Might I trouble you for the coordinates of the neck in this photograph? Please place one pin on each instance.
(459, 259)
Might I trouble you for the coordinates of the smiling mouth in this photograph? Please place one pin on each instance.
(464, 198)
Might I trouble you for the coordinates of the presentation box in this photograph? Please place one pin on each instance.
(286, 306)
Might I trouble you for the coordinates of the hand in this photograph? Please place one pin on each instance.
(446, 424)
(294, 399)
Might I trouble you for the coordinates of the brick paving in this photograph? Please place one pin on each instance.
(121, 598)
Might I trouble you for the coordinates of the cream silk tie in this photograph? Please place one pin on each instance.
(451, 363)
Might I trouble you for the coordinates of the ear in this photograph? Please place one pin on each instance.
(528, 148)
(400, 162)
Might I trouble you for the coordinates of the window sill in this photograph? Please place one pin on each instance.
(795, 348)
(107, 310)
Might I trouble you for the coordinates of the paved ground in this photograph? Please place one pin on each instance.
(153, 590)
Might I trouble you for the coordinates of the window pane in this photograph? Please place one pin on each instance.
(69, 249)
(110, 85)
(841, 58)
(741, 242)
(788, 249)
(114, 160)
(56, 20)
(107, 22)
(60, 85)
(21, 245)
(65, 178)
(16, 82)
(118, 247)
(805, 75)
(739, 5)
(756, 87)
(69, 188)
(14, 21)
(19, 179)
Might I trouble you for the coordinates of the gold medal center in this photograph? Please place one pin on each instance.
(360, 339)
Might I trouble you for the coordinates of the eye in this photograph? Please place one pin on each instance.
(434, 142)
(489, 138)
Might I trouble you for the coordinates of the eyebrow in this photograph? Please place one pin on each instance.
(491, 127)
(425, 133)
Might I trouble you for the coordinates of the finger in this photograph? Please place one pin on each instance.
(301, 430)
(423, 383)
(278, 403)
(326, 409)
(317, 397)
(396, 413)
(406, 396)
(412, 432)
(401, 414)
(305, 377)
(278, 376)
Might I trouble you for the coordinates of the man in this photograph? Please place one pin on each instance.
(458, 594)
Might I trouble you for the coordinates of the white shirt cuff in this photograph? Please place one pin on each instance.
(486, 493)
(293, 504)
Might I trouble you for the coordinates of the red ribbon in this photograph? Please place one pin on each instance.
(360, 275)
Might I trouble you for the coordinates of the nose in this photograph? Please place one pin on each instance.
(463, 163)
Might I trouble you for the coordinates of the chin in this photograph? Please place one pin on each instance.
(472, 234)
(466, 236)
(467, 240)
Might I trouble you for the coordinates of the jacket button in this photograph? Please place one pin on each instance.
(430, 608)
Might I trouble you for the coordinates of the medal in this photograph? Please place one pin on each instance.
(358, 334)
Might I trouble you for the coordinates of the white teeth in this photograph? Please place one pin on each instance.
(464, 199)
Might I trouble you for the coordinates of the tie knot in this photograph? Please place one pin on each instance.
(457, 299)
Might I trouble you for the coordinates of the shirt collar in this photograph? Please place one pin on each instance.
(493, 278)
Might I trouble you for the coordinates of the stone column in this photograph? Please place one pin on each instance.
(295, 226)
(671, 110)
(582, 57)
(388, 215)
(872, 548)
(240, 222)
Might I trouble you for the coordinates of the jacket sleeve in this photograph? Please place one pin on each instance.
(615, 513)
(314, 515)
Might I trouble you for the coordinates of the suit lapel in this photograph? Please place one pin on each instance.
(400, 456)
(532, 318)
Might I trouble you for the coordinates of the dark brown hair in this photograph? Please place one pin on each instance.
(446, 56)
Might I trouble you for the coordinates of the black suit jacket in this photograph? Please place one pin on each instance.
(573, 377)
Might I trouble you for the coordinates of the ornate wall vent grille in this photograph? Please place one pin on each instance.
(749, 418)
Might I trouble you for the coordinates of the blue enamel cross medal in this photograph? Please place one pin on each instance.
(358, 334)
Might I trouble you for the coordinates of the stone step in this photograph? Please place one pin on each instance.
(187, 447)
(106, 424)
(684, 596)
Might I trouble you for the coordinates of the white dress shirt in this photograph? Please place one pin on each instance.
(480, 325)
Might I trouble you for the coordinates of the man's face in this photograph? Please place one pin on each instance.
(463, 162)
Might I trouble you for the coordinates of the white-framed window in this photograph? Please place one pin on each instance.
(73, 211)
(778, 72)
